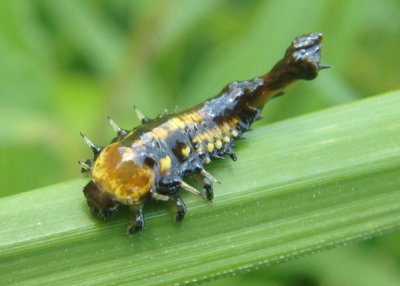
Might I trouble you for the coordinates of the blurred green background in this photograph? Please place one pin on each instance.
(65, 65)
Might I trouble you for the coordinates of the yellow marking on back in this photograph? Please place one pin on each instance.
(234, 133)
(209, 147)
(186, 118)
(178, 122)
(165, 165)
(175, 123)
(218, 144)
(228, 125)
(226, 139)
(185, 151)
(192, 117)
(196, 117)
(207, 137)
(215, 133)
(160, 132)
(196, 140)
(224, 128)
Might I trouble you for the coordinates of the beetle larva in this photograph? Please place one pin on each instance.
(153, 159)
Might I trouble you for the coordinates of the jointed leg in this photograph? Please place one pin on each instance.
(137, 219)
(204, 179)
(209, 190)
(180, 209)
(176, 201)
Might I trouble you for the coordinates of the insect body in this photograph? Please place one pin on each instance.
(154, 158)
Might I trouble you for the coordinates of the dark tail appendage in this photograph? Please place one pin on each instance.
(301, 61)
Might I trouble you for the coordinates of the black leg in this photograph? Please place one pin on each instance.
(137, 219)
(100, 203)
(209, 189)
(180, 209)
(204, 179)
(176, 201)
(231, 154)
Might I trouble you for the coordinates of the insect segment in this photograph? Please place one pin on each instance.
(153, 159)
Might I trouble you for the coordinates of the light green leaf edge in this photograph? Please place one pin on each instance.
(299, 186)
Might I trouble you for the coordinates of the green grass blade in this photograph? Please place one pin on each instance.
(298, 187)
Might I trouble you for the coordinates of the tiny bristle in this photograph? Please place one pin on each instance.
(84, 166)
(140, 115)
(96, 149)
(216, 156)
(209, 176)
(189, 188)
(114, 126)
(322, 66)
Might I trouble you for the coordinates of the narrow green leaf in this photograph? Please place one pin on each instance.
(298, 187)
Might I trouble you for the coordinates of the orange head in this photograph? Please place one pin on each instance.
(122, 173)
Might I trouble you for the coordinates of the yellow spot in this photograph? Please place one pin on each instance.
(186, 118)
(165, 164)
(226, 139)
(196, 117)
(214, 133)
(208, 160)
(209, 147)
(178, 122)
(185, 151)
(196, 140)
(170, 126)
(234, 133)
(207, 137)
(160, 132)
(198, 150)
(224, 129)
(218, 144)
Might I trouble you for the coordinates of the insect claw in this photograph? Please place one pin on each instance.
(189, 188)
(209, 190)
(209, 176)
(140, 115)
(96, 149)
(232, 154)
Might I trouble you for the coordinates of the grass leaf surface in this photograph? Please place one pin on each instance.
(299, 186)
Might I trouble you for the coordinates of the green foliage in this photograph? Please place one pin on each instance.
(323, 180)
